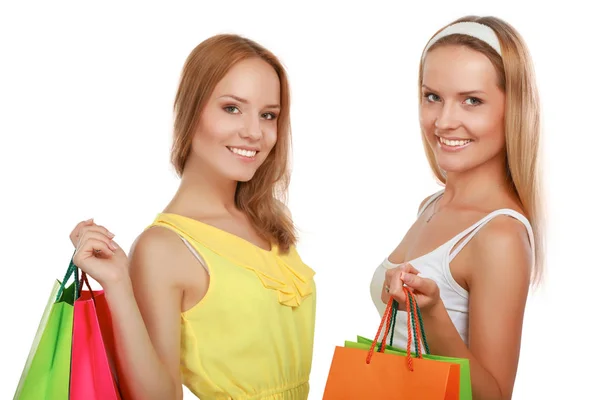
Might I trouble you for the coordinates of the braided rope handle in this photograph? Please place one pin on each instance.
(423, 337)
(414, 326)
(71, 270)
(410, 321)
(411, 304)
(384, 320)
(84, 280)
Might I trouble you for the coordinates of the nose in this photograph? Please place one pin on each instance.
(447, 118)
(252, 129)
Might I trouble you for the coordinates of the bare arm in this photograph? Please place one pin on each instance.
(146, 320)
(144, 297)
(500, 257)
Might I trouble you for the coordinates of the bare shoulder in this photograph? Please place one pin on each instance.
(503, 243)
(160, 253)
(155, 242)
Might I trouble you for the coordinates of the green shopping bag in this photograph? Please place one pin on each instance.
(47, 369)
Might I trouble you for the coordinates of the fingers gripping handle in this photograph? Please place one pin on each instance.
(73, 270)
(414, 327)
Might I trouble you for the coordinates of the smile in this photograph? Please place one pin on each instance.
(453, 144)
(242, 152)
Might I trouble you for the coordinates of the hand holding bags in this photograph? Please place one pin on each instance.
(359, 372)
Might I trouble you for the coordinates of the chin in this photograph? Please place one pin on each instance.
(242, 177)
(455, 166)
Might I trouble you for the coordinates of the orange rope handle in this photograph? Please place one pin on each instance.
(385, 319)
(408, 328)
(412, 314)
(419, 338)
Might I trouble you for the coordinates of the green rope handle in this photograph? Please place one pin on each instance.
(391, 326)
(71, 270)
(394, 313)
(419, 318)
(422, 330)
(392, 323)
(64, 280)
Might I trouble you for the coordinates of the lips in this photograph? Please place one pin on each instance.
(248, 153)
(454, 142)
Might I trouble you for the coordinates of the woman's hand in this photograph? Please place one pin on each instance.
(426, 291)
(98, 255)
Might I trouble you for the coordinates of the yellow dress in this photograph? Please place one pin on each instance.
(251, 336)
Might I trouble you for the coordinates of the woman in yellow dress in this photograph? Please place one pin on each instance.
(213, 294)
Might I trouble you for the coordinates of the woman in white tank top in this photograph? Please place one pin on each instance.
(475, 247)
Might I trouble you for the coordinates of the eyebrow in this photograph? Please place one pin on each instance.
(244, 101)
(467, 93)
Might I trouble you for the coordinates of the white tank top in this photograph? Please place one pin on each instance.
(436, 266)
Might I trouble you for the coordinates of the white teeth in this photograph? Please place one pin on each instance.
(454, 143)
(242, 152)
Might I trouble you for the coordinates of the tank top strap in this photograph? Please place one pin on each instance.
(183, 235)
(431, 199)
(471, 231)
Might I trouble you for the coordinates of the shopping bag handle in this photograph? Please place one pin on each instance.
(71, 270)
(418, 332)
(74, 270)
(414, 321)
(84, 280)
(385, 319)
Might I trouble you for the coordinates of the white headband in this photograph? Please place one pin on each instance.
(474, 29)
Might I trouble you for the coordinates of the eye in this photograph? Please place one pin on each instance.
(473, 101)
(432, 97)
(231, 109)
(269, 116)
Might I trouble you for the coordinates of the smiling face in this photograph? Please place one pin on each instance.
(238, 125)
(462, 108)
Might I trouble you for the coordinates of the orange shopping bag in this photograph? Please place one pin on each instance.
(357, 374)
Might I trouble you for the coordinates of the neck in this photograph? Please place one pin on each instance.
(477, 184)
(202, 190)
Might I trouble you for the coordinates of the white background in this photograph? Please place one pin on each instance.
(86, 95)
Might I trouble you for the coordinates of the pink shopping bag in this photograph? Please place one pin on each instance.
(93, 374)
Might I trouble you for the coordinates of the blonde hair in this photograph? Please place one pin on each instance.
(262, 197)
(516, 78)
